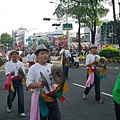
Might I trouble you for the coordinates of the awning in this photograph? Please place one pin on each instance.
(84, 45)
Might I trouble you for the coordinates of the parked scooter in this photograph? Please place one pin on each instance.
(74, 61)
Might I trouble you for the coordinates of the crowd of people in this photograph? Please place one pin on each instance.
(44, 103)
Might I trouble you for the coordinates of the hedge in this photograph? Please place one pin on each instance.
(109, 52)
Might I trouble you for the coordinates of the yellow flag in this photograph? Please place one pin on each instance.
(11, 86)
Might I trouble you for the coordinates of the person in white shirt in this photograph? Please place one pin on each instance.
(31, 58)
(8, 57)
(65, 54)
(12, 69)
(1, 62)
(1, 54)
(91, 62)
(35, 82)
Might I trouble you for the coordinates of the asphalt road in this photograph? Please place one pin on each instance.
(74, 107)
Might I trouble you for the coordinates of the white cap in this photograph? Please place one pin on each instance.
(93, 46)
(41, 47)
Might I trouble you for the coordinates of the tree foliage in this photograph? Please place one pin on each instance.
(6, 39)
(87, 12)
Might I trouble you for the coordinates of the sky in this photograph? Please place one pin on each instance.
(29, 14)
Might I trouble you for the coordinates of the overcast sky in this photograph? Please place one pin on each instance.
(29, 14)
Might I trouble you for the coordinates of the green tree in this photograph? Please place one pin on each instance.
(94, 12)
(6, 39)
(86, 12)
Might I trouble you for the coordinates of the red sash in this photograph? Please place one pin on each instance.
(16, 78)
(92, 70)
(31, 63)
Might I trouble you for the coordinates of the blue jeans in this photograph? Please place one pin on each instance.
(97, 87)
(54, 112)
(18, 87)
(65, 70)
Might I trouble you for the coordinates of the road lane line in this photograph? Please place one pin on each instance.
(106, 94)
(84, 87)
(79, 85)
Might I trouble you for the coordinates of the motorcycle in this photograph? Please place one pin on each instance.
(74, 61)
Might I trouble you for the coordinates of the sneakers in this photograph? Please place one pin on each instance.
(84, 96)
(8, 110)
(22, 114)
(100, 101)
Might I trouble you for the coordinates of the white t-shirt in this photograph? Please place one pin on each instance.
(8, 52)
(1, 54)
(35, 77)
(67, 53)
(31, 58)
(20, 52)
(10, 66)
(90, 58)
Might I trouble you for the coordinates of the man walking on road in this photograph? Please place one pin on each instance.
(92, 79)
(31, 58)
(65, 54)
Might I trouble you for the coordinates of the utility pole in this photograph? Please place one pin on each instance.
(115, 23)
(119, 7)
(66, 21)
(28, 35)
(67, 24)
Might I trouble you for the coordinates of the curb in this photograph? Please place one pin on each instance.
(113, 61)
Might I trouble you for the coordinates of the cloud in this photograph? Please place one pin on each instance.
(29, 13)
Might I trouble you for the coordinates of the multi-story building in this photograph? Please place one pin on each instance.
(38, 38)
(108, 32)
(20, 37)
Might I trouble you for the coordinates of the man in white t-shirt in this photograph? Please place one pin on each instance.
(91, 61)
(12, 70)
(31, 58)
(65, 54)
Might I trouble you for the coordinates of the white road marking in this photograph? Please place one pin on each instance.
(106, 94)
(79, 85)
(84, 87)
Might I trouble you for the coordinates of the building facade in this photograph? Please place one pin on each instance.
(20, 37)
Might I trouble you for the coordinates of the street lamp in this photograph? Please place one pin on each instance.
(28, 35)
(30, 30)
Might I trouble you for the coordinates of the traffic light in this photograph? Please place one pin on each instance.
(55, 24)
(48, 19)
(58, 24)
